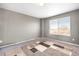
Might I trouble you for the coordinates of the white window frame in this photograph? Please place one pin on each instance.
(58, 26)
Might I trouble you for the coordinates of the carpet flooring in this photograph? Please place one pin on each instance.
(41, 47)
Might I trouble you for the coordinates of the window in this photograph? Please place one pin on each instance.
(60, 26)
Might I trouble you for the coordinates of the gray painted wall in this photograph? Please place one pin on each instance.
(16, 27)
(74, 16)
(41, 28)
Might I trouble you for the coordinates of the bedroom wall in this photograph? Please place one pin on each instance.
(74, 18)
(16, 27)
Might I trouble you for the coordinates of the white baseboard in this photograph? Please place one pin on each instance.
(34, 39)
(17, 43)
(66, 42)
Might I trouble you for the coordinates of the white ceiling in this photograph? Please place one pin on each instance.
(32, 9)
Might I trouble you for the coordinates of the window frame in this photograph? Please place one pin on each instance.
(58, 25)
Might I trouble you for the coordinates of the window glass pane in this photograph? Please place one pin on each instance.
(64, 26)
(53, 26)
